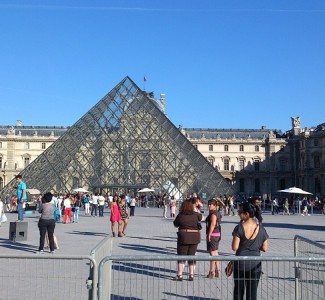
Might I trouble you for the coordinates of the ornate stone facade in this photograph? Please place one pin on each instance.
(255, 161)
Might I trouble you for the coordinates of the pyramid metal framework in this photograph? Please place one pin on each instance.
(124, 142)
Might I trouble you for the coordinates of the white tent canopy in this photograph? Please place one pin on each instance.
(145, 190)
(295, 190)
(81, 190)
(33, 191)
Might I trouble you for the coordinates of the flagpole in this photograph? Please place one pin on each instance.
(144, 82)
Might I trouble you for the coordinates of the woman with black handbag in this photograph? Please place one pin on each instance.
(249, 238)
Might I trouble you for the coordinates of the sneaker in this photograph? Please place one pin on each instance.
(52, 252)
(40, 252)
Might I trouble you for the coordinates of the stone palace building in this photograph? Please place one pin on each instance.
(254, 161)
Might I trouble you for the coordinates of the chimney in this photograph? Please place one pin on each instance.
(163, 102)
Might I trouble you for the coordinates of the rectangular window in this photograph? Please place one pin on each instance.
(0, 162)
(211, 161)
(241, 147)
(210, 147)
(316, 161)
(226, 164)
(26, 161)
(241, 165)
(27, 146)
(0, 145)
(43, 146)
(226, 148)
(256, 165)
(257, 185)
(282, 165)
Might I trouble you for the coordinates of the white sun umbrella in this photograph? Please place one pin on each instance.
(145, 190)
(295, 190)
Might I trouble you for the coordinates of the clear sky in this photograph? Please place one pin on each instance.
(221, 63)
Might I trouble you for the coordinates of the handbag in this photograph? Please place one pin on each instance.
(199, 225)
(229, 269)
(3, 218)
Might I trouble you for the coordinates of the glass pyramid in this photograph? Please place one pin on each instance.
(122, 144)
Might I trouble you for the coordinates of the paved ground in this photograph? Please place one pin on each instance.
(149, 233)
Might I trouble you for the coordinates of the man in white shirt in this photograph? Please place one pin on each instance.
(94, 205)
(101, 203)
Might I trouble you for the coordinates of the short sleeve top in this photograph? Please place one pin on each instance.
(249, 247)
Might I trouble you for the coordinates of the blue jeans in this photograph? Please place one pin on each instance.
(20, 210)
(76, 214)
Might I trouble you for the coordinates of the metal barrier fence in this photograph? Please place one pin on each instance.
(47, 276)
(310, 278)
(103, 249)
(153, 277)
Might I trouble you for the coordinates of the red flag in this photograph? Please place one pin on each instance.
(145, 79)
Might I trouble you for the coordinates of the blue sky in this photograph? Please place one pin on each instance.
(221, 64)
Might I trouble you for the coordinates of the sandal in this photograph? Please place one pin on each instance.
(179, 278)
(211, 275)
(190, 278)
(217, 274)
